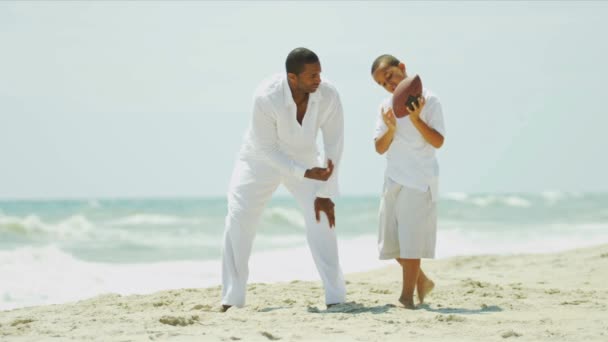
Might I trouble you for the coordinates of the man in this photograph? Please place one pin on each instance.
(408, 213)
(280, 148)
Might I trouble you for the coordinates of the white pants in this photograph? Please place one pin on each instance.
(252, 185)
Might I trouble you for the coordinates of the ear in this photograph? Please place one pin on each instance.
(402, 67)
(293, 78)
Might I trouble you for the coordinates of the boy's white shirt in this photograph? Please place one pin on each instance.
(411, 160)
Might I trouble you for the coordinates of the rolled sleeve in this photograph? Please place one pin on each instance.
(435, 116)
(381, 127)
(333, 141)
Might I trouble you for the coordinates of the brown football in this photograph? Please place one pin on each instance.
(406, 93)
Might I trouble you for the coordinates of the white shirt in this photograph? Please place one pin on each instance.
(410, 160)
(276, 136)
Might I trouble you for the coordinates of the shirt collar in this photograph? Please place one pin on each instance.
(314, 97)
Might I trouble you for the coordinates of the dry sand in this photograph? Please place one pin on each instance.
(553, 297)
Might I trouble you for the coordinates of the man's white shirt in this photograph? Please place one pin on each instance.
(411, 160)
(276, 136)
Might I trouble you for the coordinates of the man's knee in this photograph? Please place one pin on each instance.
(240, 220)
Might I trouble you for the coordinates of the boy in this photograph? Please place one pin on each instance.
(408, 216)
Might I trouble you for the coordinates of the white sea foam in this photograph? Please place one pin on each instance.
(153, 219)
(76, 226)
(94, 203)
(455, 196)
(483, 201)
(291, 216)
(35, 276)
(508, 200)
(515, 201)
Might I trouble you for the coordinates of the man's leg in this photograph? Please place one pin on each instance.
(251, 187)
(321, 241)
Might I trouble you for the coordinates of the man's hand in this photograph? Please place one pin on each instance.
(389, 119)
(326, 205)
(320, 173)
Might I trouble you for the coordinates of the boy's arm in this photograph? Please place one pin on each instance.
(384, 141)
(429, 134)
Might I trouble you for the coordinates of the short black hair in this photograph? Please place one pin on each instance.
(297, 58)
(384, 59)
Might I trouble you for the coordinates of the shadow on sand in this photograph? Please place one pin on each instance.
(485, 309)
(357, 308)
(352, 308)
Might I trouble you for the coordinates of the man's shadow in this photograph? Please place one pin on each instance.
(462, 311)
(352, 308)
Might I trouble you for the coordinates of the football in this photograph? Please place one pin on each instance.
(407, 92)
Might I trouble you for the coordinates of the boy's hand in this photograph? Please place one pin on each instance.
(389, 119)
(415, 114)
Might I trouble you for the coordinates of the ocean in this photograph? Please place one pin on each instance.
(61, 251)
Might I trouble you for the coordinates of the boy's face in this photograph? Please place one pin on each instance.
(389, 76)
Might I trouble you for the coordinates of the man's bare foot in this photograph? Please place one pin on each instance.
(225, 307)
(424, 289)
(408, 304)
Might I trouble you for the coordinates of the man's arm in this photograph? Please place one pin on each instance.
(333, 145)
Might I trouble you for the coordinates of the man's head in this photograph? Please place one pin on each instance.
(303, 70)
(388, 71)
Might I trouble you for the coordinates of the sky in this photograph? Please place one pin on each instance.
(151, 99)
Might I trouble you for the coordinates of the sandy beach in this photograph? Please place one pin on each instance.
(549, 297)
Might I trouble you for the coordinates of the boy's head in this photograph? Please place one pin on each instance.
(388, 71)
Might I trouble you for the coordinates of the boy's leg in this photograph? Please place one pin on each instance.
(251, 187)
(410, 267)
(424, 286)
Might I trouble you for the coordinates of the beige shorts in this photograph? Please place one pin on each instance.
(407, 223)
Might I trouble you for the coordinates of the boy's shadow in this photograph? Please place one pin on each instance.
(357, 308)
(491, 308)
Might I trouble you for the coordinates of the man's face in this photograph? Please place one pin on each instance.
(388, 76)
(309, 79)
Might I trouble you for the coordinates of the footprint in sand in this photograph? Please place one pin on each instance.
(510, 333)
(179, 321)
(21, 321)
(450, 318)
(269, 336)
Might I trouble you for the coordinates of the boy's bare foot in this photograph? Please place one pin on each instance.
(408, 304)
(424, 289)
(225, 307)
